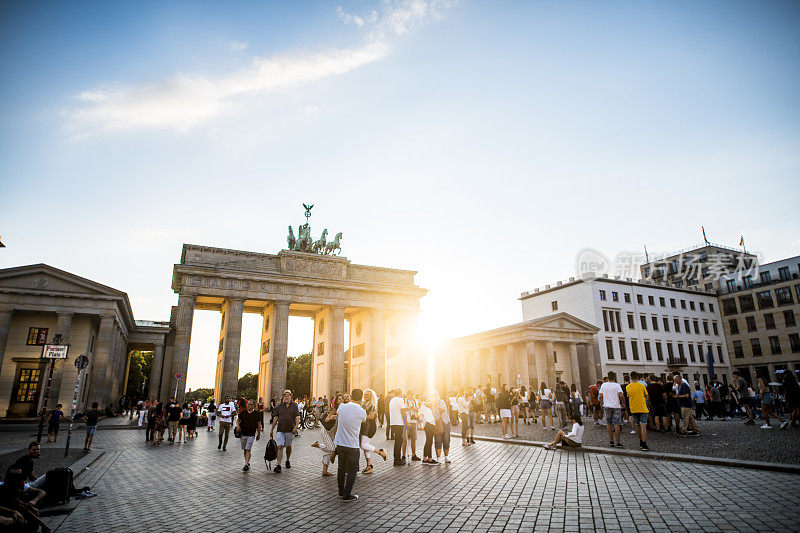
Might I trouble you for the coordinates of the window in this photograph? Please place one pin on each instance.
(610, 348)
(715, 328)
(769, 320)
(794, 342)
(719, 354)
(655, 323)
(634, 350)
(554, 305)
(797, 292)
(747, 281)
(788, 318)
(737, 349)
(783, 274)
(37, 337)
(711, 309)
(605, 320)
(662, 302)
(670, 352)
(651, 300)
(677, 325)
(702, 306)
(627, 298)
(683, 304)
(665, 321)
(691, 305)
(640, 300)
(659, 351)
(755, 344)
(696, 327)
(729, 306)
(672, 302)
(615, 296)
(27, 384)
(681, 353)
(746, 303)
(647, 353)
(622, 353)
(751, 324)
(734, 325)
(700, 352)
(774, 345)
(619, 324)
(709, 286)
(783, 296)
(765, 277)
(631, 322)
(643, 320)
(764, 299)
(731, 285)
(705, 327)
(688, 326)
(691, 352)
(602, 294)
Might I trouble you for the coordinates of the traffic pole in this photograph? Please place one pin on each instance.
(44, 402)
(80, 363)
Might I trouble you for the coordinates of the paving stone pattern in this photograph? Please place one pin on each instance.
(488, 487)
(728, 439)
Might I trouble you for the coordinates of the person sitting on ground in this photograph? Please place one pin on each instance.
(13, 499)
(34, 485)
(573, 439)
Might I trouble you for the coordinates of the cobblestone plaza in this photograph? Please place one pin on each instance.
(487, 487)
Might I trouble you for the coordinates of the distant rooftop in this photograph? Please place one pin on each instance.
(151, 324)
(615, 279)
(698, 247)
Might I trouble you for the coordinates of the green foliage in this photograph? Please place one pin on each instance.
(298, 375)
(139, 372)
(200, 394)
(248, 386)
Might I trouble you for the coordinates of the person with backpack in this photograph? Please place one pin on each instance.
(287, 417)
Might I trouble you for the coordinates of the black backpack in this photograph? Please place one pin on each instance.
(271, 452)
(58, 485)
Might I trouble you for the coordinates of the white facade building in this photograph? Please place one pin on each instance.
(644, 326)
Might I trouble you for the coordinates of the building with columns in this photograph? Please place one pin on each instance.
(649, 327)
(547, 349)
(38, 302)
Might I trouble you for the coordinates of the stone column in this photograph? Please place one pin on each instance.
(63, 326)
(377, 361)
(336, 379)
(541, 370)
(510, 367)
(770, 369)
(180, 352)
(5, 327)
(100, 365)
(551, 364)
(591, 363)
(463, 371)
(495, 356)
(573, 365)
(533, 371)
(280, 343)
(154, 383)
(476, 368)
(231, 344)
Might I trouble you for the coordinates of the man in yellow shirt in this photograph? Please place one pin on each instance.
(637, 406)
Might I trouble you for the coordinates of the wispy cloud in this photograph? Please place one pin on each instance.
(182, 102)
(311, 109)
(238, 45)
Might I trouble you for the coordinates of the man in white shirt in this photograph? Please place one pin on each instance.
(350, 415)
(612, 398)
(397, 407)
(226, 412)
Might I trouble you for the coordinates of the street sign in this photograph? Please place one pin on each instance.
(81, 362)
(519, 375)
(55, 351)
(178, 375)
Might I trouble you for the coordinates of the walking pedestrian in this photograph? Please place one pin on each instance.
(173, 418)
(463, 403)
(287, 418)
(637, 406)
(53, 420)
(515, 401)
(411, 420)
(183, 424)
(443, 443)
(743, 396)
(546, 405)
(612, 398)
(594, 402)
(92, 417)
(211, 409)
(684, 396)
(226, 411)
(397, 412)
(350, 417)
(249, 424)
(768, 405)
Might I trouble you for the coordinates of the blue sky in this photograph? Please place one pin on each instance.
(483, 144)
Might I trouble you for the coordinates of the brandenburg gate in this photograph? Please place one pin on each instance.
(381, 305)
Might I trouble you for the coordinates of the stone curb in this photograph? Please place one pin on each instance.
(699, 459)
(86, 461)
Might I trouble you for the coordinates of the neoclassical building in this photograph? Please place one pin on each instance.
(547, 349)
(38, 302)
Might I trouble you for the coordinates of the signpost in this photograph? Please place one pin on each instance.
(80, 363)
(178, 377)
(519, 378)
(52, 352)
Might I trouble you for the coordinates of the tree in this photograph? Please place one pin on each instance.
(248, 386)
(139, 373)
(200, 394)
(298, 375)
